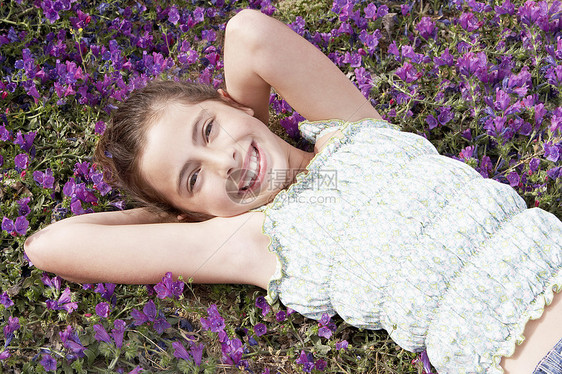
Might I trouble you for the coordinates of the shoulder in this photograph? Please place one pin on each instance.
(324, 139)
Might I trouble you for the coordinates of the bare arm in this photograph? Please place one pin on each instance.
(261, 52)
(128, 247)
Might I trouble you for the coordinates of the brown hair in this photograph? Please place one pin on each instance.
(119, 147)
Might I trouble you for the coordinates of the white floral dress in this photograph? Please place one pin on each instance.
(385, 232)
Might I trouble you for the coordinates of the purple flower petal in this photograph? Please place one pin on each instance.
(21, 161)
(8, 225)
(196, 351)
(180, 351)
(260, 329)
(161, 324)
(118, 331)
(150, 310)
(48, 362)
(102, 309)
(324, 332)
(139, 317)
(101, 334)
(342, 345)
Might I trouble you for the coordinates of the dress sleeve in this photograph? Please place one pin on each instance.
(312, 131)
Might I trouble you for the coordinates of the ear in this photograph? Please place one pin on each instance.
(226, 97)
(224, 94)
(181, 217)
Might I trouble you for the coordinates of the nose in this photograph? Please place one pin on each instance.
(221, 160)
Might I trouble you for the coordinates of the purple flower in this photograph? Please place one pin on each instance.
(506, 8)
(425, 361)
(44, 179)
(408, 73)
(260, 329)
(232, 351)
(370, 11)
(25, 141)
(382, 11)
(150, 310)
(307, 361)
(102, 310)
(173, 15)
(24, 208)
(469, 22)
(405, 9)
(540, 111)
(325, 319)
(105, 290)
(554, 173)
(215, 322)
(342, 345)
(54, 282)
(5, 300)
(446, 58)
(63, 303)
(71, 341)
(467, 153)
(21, 161)
(280, 316)
(118, 331)
(290, 124)
(136, 370)
(534, 164)
(99, 127)
(320, 365)
(18, 227)
(529, 13)
(324, 332)
(426, 28)
(168, 288)
(485, 167)
(180, 351)
(263, 305)
(470, 63)
(12, 326)
(551, 152)
(4, 134)
(160, 325)
(393, 49)
(502, 100)
(101, 335)
(5, 354)
(21, 225)
(513, 179)
(139, 317)
(8, 225)
(196, 351)
(48, 362)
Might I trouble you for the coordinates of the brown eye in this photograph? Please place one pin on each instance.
(193, 180)
(208, 130)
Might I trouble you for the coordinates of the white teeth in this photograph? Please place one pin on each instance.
(253, 169)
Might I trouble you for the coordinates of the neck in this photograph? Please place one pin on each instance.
(299, 160)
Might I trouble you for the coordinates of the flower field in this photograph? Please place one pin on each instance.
(480, 80)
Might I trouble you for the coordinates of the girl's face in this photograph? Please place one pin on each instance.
(215, 159)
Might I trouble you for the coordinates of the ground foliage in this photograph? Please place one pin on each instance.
(480, 80)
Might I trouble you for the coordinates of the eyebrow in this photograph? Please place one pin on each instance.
(195, 126)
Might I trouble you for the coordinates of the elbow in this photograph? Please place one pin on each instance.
(33, 250)
(41, 248)
(245, 30)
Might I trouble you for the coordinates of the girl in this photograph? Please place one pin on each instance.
(373, 225)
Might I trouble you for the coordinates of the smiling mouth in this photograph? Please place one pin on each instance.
(251, 171)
